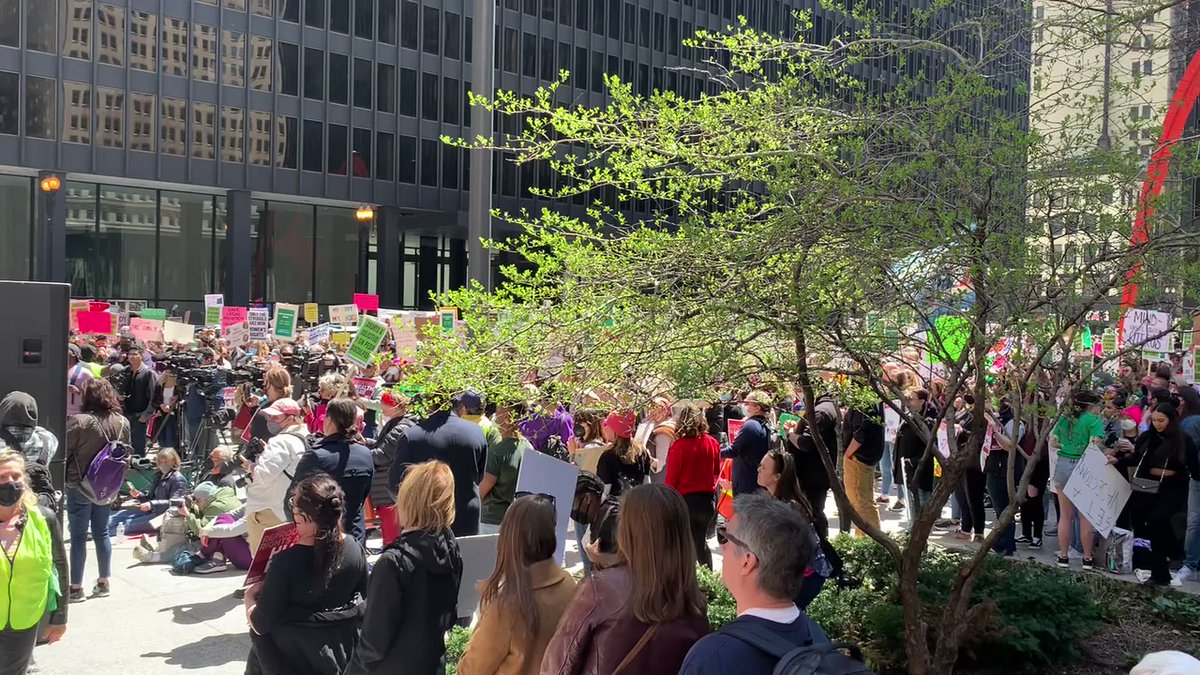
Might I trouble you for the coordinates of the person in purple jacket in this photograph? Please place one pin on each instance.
(541, 426)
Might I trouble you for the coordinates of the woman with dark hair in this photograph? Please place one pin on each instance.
(524, 599)
(341, 453)
(1074, 432)
(589, 443)
(88, 432)
(625, 464)
(1160, 486)
(304, 614)
(693, 465)
(777, 475)
(642, 616)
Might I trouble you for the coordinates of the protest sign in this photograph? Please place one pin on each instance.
(318, 333)
(97, 323)
(285, 321)
(343, 315)
(366, 342)
(311, 312)
(366, 302)
(891, 423)
(1098, 490)
(94, 306)
(154, 313)
(237, 334)
(542, 474)
(173, 331)
(1108, 342)
(1188, 364)
(478, 554)
(274, 540)
(232, 315)
(146, 330)
(340, 339)
(447, 317)
(212, 308)
(784, 418)
(228, 396)
(735, 427)
(1148, 329)
(404, 334)
(258, 320)
(364, 387)
(76, 307)
(943, 441)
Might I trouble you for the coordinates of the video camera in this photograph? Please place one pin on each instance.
(306, 369)
(209, 380)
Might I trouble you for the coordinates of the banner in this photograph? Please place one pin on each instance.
(97, 323)
(212, 308)
(370, 335)
(154, 313)
(146, 330)
(232, 315)
(1148, 329)
(183, 333)
(237, 334)
(343, 315)
(318, 334)
(285, 321)
(76, 307)
(274, 540)
(258, 320)
(542, 474)
(366, 302)
(1098, 490)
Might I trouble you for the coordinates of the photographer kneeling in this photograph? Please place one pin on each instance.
(271, 467)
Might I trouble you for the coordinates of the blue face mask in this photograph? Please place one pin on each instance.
(725, 398)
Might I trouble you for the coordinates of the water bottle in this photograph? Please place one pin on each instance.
(120, 530)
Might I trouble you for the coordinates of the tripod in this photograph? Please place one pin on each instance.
(198, 446)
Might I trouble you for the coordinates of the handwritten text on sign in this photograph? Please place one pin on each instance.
(1098, 491)
(1148, 329)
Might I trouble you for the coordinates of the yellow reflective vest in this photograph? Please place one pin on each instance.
(28, 583)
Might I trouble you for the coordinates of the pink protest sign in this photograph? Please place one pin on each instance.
(232, 315)
(97, 323)
(97, 306)
(366, 302)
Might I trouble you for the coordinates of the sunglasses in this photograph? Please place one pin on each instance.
(723, 537)
(543, 495)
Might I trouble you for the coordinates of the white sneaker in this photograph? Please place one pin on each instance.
(1188, 574)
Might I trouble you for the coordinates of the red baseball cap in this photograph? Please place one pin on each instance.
(621, 424)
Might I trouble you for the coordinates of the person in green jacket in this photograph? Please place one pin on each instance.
(33, 568)
(208, 501)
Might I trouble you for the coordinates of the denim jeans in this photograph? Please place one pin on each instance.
(83, 515)
(1191, 545)
(997, 487)
(580, 531)
(955, 507)
(136, 522)
(885, 466)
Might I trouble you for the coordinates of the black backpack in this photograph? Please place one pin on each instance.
(825, 658)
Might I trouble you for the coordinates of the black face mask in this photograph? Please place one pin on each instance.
(10, 493)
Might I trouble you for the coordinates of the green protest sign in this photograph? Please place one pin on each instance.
(285, 321)
(447, 316)
(154, 313)
(1108, 342)
(370, 335)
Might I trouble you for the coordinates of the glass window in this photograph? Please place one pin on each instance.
(659, 30)
(408, 92)
(338, 249)
(548, 10)
(429, 162)
(233, 58)
(643, 80)
(287, 139)
(172, 126)
(16, 194)
(466, 103)
(579, 75)
(429, 96)
(614, 19)
(385, 88)
(314, 13)
(597, 72)
(362, 83)
(40, 107)
(510, 51)
(468, 30)
(451, 103)
(314, 73)
(10, 24)
(339, 78)
(430, 33)
(111, 29)
(450, 168)
(314, 146)
(364, 19)
(407, 164)
(174, 44)
(204, 53)
(289, 64)
(77, 111)
(41, 23)
(261, 78)
(529, 44)
(289, 10)
(339, 16)
(452, 39)
(110, 117)
(409, 13)
(385, 156)
(284, 242)
(260, 138)
(125, 255)
(360, 152)
(185, 245)
(508, 175)
(644, 28)
(630, 23)
(10, 100)
(530, 7)
(233, 133)
(143, 132)
(387, 21)
(143, 38)
(598, 17)
(204, 134)
(81, 251)
(673, 38)
(581, 14)
(77, 38)
(336, 161)
(547, 60)
(564, 56)
(239, 5)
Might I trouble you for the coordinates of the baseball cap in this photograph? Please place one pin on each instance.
(281, 408)
(758, 397)
(471, 400)
(621, 424)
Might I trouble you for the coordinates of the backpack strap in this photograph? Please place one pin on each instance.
(762, 638)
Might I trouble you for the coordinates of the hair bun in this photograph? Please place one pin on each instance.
(335, 502)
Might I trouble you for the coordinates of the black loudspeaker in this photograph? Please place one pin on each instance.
(33, 353)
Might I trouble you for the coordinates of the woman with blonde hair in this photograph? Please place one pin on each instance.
(524, 599)
(642, 616)
(34, 564)
(412, 597)
(168, 484)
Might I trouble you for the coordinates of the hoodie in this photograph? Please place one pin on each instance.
(412, 600)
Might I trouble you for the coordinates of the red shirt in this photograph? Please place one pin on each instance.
(693, 464)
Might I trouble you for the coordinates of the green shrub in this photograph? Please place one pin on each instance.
(456, 644)
(721, 607)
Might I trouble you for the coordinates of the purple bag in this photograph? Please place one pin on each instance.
(102, 482)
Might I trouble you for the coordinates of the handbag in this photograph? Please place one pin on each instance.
(1147, 486)
(637, 648)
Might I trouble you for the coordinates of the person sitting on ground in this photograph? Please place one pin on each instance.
(138, 515)
(413, 591)
(642, 616)
(223, 543)
(304, 615)
(523, 600)
(341, 454)
(208, 501)
(224, 471)
(765, 548)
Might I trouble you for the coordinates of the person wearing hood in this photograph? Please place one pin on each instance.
(412, 596)
(394, 406)
(78, 374)
(208, 501)
(19, 429)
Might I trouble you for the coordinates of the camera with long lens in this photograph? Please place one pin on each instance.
(252, 450)
(306, 369)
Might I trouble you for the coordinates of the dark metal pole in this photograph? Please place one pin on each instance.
(479, 209)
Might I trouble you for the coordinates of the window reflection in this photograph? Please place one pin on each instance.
(81, 237)
(125, 255)
(337, 234)
(339, 78)
(263, 7)
(204, 53)
(10, 99)
(283, 236)
(260, 138)
(261, 59)
(143, 36)
(77, 112)
(40, 106)
(110, 117)
(141, 122)
(385, 156)
(286, 141)
(174, 47)
(172, 126)
(204, 130)
(233, 58)
(77, 40)
(185, 234)
(41, 25)
(385, 88)
(387, 21)
(110, 26)
(15, 220)
(360, 157)
(337, 149)
(10, 24)
(233, 133)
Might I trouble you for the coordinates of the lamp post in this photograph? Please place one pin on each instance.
(49, 185)
(365, 213)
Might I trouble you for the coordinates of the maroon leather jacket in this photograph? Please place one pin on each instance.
(599, 630)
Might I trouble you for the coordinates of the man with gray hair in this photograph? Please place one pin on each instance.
(765, 549)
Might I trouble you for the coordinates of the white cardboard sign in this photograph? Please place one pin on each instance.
(543, 474)
(1097, 489)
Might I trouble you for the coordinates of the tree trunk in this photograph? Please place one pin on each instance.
(916, 631)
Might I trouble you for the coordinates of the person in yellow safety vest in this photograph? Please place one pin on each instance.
(33, 568)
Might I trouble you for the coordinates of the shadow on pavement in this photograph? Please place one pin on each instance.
(199, 612)
(214, 650)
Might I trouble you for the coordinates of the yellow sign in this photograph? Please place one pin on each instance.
(340, 339)
(310, 312)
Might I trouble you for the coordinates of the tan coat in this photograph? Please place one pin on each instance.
(494, 648)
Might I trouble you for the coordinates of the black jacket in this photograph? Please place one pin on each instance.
(460, 444)
(350, 465)
(412, 600)
(752, 442)
(383, 452)
(810, 470)
(139, 394)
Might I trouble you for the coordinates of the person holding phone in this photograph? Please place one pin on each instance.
(139, 512)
